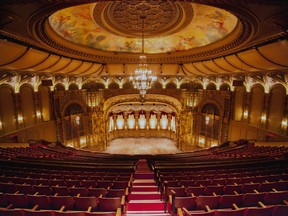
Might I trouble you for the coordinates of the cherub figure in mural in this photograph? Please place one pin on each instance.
(95, 41)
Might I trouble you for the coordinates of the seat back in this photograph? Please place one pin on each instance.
(88, 183)
(42, 201)
(197, 190)
(61, 190)
(18, 200)
(28, 212)
(68, 213)
(274, 198)
(104, 184)
(97, 192)
(211, 201)
(120, 184)
(252, 199)
(58, 201)
(250, 187)
(115, 192)
(256, 211)
(82, 191)
(219, 212)
(10, 212)
(230, 189)
(83, 203)
(211, 189)
(187, 202)
(25, 188)
(280, 210)
(43, 189)
(109, 203)
(227, 201)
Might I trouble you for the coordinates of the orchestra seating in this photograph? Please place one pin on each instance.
(245, 180)
(230, 180)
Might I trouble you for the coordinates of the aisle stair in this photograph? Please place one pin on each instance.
(144, 198)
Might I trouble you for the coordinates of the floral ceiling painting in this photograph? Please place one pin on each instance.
(77, 24)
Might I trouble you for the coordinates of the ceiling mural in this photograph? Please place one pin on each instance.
(87, 25)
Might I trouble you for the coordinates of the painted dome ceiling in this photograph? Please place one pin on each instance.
(168, 26)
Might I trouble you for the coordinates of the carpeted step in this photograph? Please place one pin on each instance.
(144, 184)
(144, 175)
(145, 213)
(143, 195)
(136, 188)
(145, 205)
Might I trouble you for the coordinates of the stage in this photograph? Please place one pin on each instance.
(142, 146)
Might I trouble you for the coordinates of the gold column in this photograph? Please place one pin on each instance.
(147, 115)
(158, 115)
(115, 121)
(125, 121)
(136, 120)
(169, 117)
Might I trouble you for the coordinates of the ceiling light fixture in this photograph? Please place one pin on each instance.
(143, 76)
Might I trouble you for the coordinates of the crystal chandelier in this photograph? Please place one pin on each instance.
(143, 76)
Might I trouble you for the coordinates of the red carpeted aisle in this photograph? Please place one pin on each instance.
(144, 198)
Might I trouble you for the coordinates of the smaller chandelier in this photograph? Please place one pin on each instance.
(143, 76)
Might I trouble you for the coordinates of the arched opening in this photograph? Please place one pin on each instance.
(74, 126)
(128, 85)
(59, 87)
(73, 86)
(210, 125)
(171, 85)
(157, 85)
(225, 87)
(113, 85)
(211, 86)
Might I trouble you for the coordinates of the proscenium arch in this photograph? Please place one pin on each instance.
(134, 98)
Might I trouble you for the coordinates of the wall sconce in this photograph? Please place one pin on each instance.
(201, 141)
(245, 114)
(1, 126)
(20, 119)
(263, 118)
(284, 124)
(38, 114)
(207, 119)
(77, 120)
(82, 141)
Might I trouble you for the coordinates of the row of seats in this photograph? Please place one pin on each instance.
(60, 174)
(61, 190)
(231, 189)
(239, 177)
(28, 212)
(278, 210)
(177, 198)
(62, 203)
(10, 187)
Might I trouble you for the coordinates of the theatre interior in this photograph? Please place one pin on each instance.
(144, 107)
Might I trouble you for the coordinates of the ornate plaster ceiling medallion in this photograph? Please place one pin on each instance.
(162, 18)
